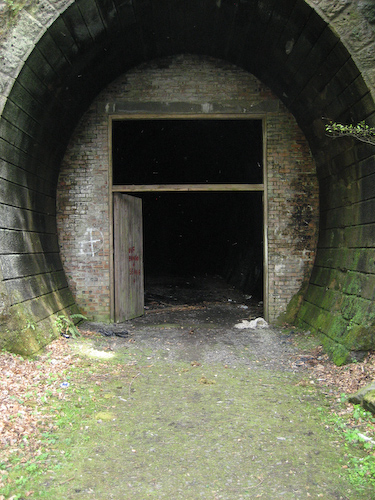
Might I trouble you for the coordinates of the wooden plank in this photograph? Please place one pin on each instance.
(128, 257)
(143, 188)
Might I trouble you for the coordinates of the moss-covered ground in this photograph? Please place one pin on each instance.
(186, 409)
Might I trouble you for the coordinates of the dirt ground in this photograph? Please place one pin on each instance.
(210, 411)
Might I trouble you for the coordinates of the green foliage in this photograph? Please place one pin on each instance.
(360, 413)
(361, 131)
(66, 325)
(361, 469)
(14, 8)
(30, 325)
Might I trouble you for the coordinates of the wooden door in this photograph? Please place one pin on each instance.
(128, 257)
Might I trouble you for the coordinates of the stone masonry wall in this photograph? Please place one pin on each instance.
(83, 201)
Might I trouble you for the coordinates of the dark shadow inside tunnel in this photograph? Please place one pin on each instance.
(190, 234)
(181, 151)
(197, 234)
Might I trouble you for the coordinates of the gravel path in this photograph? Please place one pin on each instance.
(215, 413)
(212, 412)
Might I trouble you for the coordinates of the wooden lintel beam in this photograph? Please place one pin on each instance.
(142, 188)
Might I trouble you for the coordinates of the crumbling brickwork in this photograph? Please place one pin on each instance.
(83, 201)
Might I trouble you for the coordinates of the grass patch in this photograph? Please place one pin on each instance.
(80, 403)
(356, 426)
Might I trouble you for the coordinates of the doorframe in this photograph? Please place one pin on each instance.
(134, 188)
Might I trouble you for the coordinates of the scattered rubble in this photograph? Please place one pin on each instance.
(254, 323)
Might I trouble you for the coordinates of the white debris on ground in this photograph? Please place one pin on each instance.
(254, 323)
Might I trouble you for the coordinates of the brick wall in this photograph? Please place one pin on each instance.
(83, 214)
(292, 210)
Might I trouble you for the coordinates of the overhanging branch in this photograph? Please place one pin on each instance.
(361, 131)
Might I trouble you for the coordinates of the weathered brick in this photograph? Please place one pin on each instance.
(186, 81)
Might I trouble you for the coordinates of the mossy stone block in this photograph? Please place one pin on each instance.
(369, 401)
(293, 307)
(359, 338)
(337, 352)
(365, 397)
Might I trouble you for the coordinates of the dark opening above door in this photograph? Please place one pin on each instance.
(180, 151)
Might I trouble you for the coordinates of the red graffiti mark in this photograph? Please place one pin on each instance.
(134, 272)
(133, 259)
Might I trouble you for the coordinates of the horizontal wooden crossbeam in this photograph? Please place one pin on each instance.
(142, 188)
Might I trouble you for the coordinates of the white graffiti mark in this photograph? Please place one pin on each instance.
(92, 243)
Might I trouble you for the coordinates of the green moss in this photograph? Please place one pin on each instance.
(330, 300)
(354, 308)
(367, 8)
(359, 338)
(26, 336)
(15, 6)
(293, 307)
(337, 352)
(10, 13)
(369, 401)
(353, 284)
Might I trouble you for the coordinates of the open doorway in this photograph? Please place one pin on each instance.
(197, 234)
(201, 185)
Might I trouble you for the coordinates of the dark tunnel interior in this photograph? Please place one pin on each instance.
(191, 233)
(187, 151)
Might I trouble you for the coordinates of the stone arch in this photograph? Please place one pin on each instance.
(66, 52)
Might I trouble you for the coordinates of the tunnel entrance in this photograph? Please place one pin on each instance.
(201, 186)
